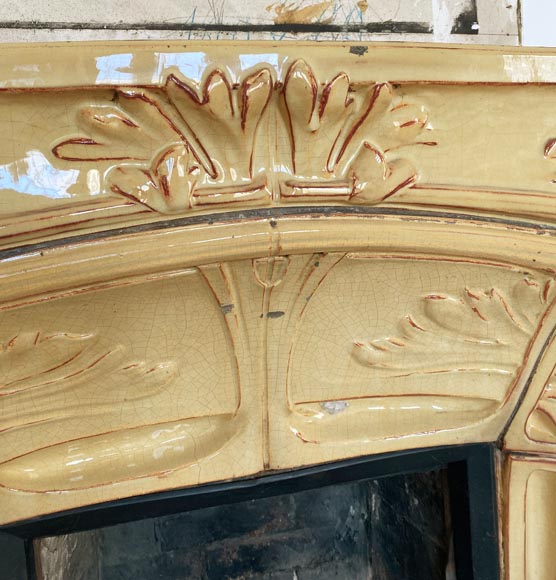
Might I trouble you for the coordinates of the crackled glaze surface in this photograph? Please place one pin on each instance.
(200, 353)
(529, 512)
(108, 135)
(222, 259)
(336, 143)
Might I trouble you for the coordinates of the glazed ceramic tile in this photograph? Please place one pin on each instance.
(221, 260)
(528, 514)
(162, 131)
(161, 359)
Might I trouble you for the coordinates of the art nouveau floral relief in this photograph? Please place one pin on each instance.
(550, 151)
(137, 396)
(179, 146)
(347, 142)
(163, 129)
(361, 352)
(186, 145)
(409, 359)
(445, 322)
(533, 428)
(231, 368)
(541, 423)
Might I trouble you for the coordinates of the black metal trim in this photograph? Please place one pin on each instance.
(475, 516)
(30, 560)
(11, 566)
(472, 477)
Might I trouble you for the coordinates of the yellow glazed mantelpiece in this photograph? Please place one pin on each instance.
(98, 136)
(218, 260)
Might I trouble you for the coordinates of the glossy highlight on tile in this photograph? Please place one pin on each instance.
(219, 260)
(146, 132)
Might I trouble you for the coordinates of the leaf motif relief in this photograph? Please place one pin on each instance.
(450, 363)
(188, 145)
(492, 326)
(178, 147)
(541, 423)
(346, 140)
(40, 369)
(107, 402)
(550, 152)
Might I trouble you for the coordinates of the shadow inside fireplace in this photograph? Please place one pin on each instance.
(393, 528)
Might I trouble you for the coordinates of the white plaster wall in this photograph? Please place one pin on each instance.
(484, 21)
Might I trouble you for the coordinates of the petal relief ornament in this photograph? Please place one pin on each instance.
(104, 398)
(189, 145)
(179, 146)
(346, 141)
(430, 342)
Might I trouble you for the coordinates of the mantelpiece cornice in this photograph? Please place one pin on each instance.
(101, 135)
(223, 259)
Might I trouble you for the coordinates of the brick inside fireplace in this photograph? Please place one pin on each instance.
(392, 528)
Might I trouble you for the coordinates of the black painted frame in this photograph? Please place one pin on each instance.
(472, 480)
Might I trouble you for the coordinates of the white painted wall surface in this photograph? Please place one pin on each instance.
(497, 21)
(462, 21)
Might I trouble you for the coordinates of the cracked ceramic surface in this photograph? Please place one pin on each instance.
(226, 259)
(143, 134)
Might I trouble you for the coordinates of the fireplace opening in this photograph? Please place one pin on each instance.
(414, 515)
(383, 529)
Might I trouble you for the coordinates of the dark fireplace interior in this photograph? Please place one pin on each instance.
(389, 529)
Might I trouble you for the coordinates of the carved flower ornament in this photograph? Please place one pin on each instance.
(183, 145)
(346, 138)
